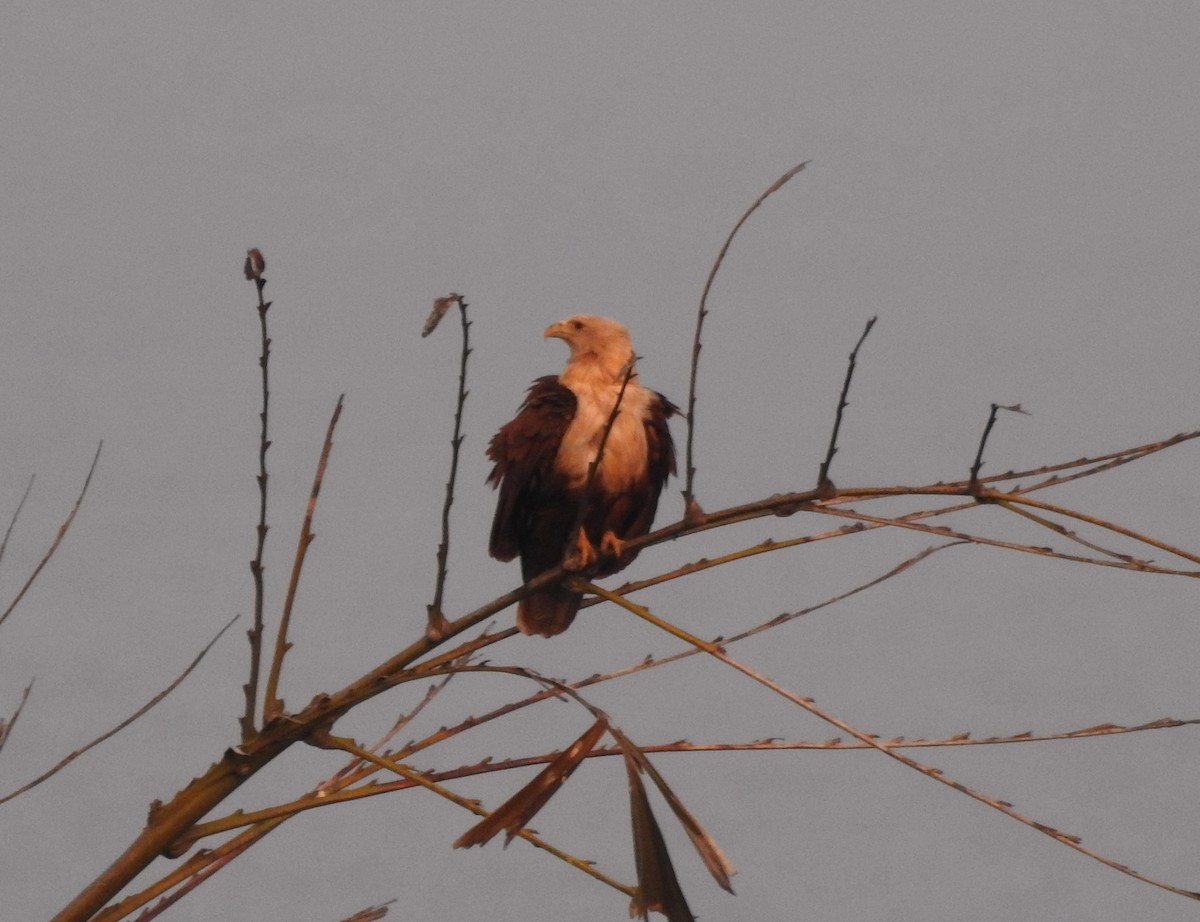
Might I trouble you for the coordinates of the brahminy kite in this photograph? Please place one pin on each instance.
(542, 460)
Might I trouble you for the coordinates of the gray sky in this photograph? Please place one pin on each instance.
(1011, 189)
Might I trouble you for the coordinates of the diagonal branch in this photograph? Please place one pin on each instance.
(272, 705)
(418, 778)
(6, 726)
(62, 533)
(123, 724)
(16, 514)
(869, 739)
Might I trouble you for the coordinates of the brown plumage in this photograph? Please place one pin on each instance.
(542, 458)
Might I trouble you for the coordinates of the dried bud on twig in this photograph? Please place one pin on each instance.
(440, 306)
(255, 266)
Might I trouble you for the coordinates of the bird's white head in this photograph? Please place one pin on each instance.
(594, 341)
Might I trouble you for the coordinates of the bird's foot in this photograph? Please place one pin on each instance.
(612, 546)
(581, 556)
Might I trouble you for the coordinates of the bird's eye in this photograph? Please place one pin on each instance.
(577, 324)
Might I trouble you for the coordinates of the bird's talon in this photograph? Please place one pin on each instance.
(612, 546)
(581, 556)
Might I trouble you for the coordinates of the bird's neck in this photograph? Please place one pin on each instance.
(592, 371)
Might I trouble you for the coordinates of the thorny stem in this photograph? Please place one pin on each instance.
(987, 431)
(689, 496)
(882, 746)
(254, 634)
(420, 779)
(823, 482)
(437, 619)
(172, 822)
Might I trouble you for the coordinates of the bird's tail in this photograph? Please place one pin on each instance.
(548, 612)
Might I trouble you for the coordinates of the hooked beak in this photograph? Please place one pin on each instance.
(555, 331)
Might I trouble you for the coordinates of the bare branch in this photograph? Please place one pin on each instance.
(123, 724)
(62, 533)
(255, 266)
(823, 482)
(689, 496)
(987, 430)
(875, 742)
(272, 705)
(473, 806)
(6, 726)
(437, 620)
(15, 515)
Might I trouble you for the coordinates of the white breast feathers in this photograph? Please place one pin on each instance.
(625, 453)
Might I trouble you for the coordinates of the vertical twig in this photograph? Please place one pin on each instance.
(436, 628)
(987, 430)
(823, 482)
(272, 705)
(255, 266)
(692, 510)
(628, 372)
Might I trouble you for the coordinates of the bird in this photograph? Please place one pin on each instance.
(542, 460)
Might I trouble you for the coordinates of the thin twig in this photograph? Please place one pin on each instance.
(124, 723)
(987, 430)
(194, 880)
(787, 503)
(419, 778)
(869, 739)
(585, 501)
(943, 531)
(255, 633)
(437, 620)
(488, 765)
(650, 663)
(689, 495)
(176, 818)
(16, 513)
(194, 869)
(6, 726)
(62, 533)
(823, 482)
(272, 704)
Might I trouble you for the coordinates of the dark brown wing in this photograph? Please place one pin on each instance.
(658, 439)
(524, 450)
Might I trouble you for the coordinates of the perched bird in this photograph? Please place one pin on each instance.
(542, 459)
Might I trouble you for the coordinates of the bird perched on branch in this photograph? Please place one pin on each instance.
(549, 511)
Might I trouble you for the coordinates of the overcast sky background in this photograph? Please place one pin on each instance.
(1010, 187)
